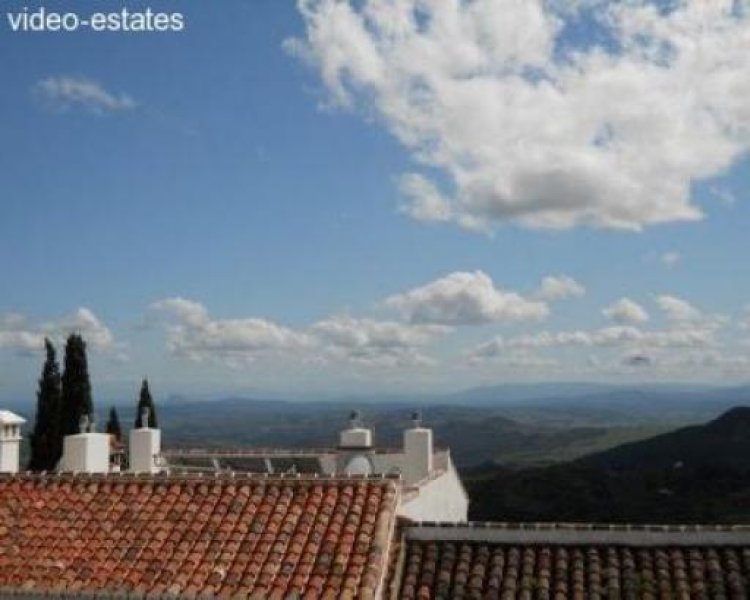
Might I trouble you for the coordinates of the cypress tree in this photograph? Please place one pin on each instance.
(146, 401)
(46, 440)
(113, 424)
(76, 387)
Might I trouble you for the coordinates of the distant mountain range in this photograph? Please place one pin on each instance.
(646, 398)
(694, 474)
(521, 392)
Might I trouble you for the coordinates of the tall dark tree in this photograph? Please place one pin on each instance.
(76, 387)
(113, 424)
(146, 401)
(46, 439)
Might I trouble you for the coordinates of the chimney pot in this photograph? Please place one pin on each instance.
(418, 451)
(10, 441)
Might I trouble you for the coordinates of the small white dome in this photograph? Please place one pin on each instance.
(359, 465)
(9, 418)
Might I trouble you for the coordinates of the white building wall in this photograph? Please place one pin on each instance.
(10, 441)
(9, 456)
(388, 463)
(440, 499)
(328, 463)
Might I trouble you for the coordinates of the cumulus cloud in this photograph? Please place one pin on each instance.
(62, 92)
(464, 298)
(625, 311)
(197, 336)
(605, 337)
(20, 341)
(677, 309)
(429, 314)
(193, 333)
(191, 312)
(559, 287)
(84, 322)
(529, 124)
(424, 200)
(498, 356)
(18, 334)
(375, 343)
(713, 359)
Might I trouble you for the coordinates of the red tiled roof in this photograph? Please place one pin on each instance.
(219, 536)
(620, 564)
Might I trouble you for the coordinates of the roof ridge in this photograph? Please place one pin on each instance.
(199, 476)
(577, 526)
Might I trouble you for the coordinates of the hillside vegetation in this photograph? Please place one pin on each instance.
(695, 474)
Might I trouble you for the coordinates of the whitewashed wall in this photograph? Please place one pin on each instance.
(441, 499)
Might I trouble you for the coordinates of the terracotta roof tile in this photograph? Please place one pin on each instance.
(431, 567)
(245, 537)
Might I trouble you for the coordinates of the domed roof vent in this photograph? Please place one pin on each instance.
(358, 465)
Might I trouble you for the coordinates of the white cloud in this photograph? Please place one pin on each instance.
(22, 342)
(62, 92)
(521, 360)
(191, 312)
(670, 259)
(529, 127)
(463, 298)
(85, 323)
(559, 287)
(625, 311)
(712, 359)
(606, 337)
(677, 309)
(194, 334)
(18, 334)
(375, 343)
(425, 203)
(232, 341)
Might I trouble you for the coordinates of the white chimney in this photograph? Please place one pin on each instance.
(145, 447)
(356, 436)
(417, 451)
(10, 441)
(86, 452)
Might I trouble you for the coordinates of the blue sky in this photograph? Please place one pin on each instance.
(224, 209)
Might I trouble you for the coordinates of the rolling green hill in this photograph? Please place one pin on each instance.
(695, 474)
